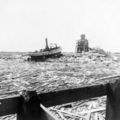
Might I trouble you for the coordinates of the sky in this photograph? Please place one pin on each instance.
(24, 24)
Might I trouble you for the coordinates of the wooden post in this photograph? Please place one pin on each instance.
(113, 101)
(31, 109)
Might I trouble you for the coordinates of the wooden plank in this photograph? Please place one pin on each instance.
(9, 105)
(72, 95)
(46, 114)
(113, 101)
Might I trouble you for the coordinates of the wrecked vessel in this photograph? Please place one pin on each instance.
(48, 52)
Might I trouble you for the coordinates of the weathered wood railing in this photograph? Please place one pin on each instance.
(32, 106)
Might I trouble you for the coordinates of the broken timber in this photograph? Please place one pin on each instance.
(32, 106)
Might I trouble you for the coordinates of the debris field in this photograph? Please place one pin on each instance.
(69, 71)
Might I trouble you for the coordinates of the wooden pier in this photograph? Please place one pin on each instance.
(33, 106)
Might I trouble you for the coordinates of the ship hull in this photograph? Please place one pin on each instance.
(41, 56)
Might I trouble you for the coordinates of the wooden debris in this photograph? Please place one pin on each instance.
(69, 71)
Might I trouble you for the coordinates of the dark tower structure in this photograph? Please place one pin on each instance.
(82, 44)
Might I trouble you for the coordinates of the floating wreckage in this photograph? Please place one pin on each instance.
(49, 52)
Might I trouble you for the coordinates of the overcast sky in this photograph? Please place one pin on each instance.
(24, 24)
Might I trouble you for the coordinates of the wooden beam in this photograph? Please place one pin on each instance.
(72, 95)
(113, 101)
(9, 105)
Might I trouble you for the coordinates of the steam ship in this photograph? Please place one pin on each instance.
(49, 52)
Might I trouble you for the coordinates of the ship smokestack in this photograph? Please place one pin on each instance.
(46, 40)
